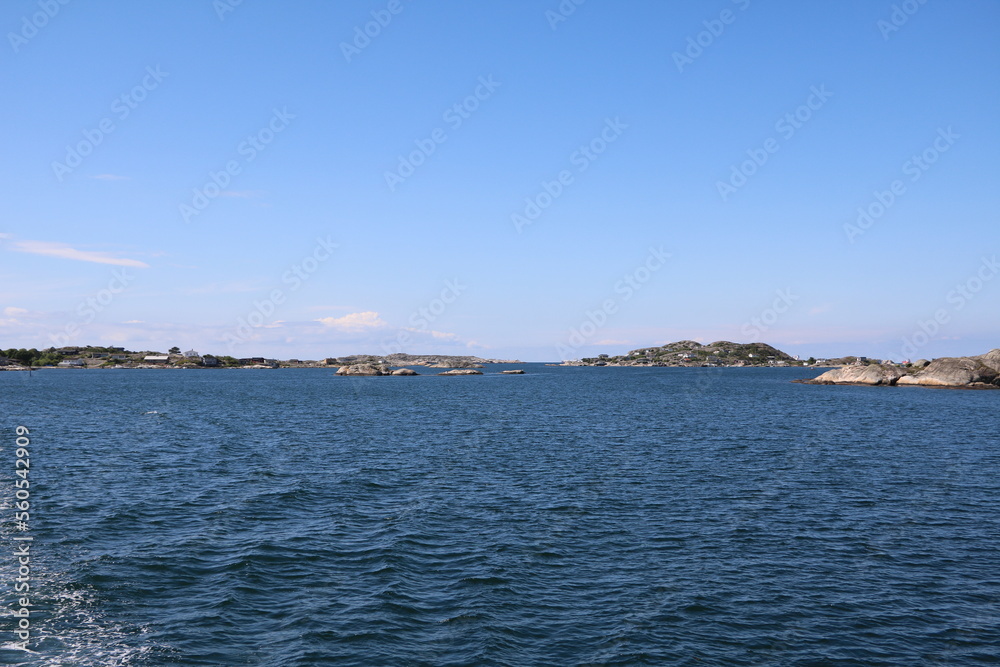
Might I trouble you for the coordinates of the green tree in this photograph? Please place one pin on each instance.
(174, 350)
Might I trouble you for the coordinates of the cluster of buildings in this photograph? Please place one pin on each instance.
(77, 357)
(119, 357)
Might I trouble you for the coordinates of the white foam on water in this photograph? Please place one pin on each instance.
(68, 626)
(74, 632)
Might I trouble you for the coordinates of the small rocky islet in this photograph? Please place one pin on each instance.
(394, 364)
(376, 370)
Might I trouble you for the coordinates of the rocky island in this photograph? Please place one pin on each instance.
(426, 360)
(690, 353)
(377, 366)
(977, 372)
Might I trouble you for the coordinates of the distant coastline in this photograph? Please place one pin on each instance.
(93, 357)
(977, 372)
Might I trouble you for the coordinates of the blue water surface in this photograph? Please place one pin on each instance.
(568, 516)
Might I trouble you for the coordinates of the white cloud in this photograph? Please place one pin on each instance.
(11, 311)
(354, 321)
(63, 251)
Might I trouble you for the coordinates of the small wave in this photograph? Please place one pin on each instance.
(485, 581)
(466, 617)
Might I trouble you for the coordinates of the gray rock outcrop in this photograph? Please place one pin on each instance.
(979, 372)
(957, 372)
(876, 374)
(462, 371)
(362, 369)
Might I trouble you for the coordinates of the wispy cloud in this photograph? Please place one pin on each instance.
(443, 335)
(63, 251)
(354, 321)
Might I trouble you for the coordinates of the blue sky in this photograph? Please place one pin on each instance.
(615, 176)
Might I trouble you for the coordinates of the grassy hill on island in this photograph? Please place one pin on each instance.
(691, 353)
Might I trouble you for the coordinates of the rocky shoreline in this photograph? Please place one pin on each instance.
(382, 369)
(425, 360)
(976, 372)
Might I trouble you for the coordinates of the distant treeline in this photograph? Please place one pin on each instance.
(32, 357)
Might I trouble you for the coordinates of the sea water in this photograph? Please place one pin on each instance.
(568, 516)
